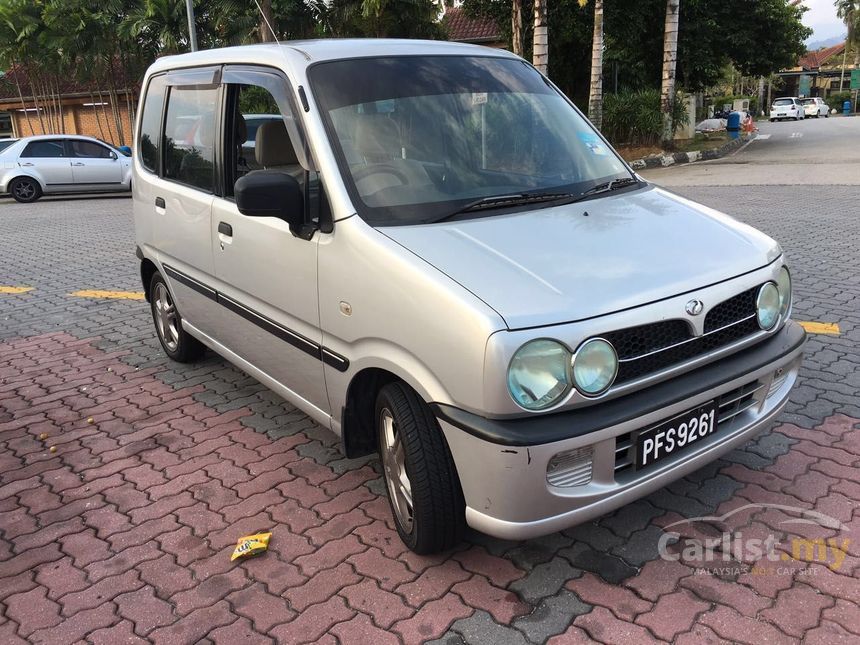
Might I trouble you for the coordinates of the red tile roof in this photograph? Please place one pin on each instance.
(464, 28)
(814, 60)
(68, 86)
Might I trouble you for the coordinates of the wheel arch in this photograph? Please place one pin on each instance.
(358, 429)
(147, 270)
(24, 174)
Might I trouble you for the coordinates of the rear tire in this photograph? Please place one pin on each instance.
(177, 343)
(25, 190)
(422, 483)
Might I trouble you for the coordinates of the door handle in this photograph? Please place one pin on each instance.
(225, 229)
(79, 163)
(27, 163)
(159, 202)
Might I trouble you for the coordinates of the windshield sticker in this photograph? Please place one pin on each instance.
(592, 142)
(479, 98)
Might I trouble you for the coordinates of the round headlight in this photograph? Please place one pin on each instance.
(539, 374)
(783, 283)
(767, 305)
(595, 365)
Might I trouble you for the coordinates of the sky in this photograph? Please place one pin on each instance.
(822, 18)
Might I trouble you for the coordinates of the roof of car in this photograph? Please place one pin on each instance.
(311, 51)
(40, 137)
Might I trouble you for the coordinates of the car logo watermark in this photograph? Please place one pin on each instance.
(694, 307)
(724, 551)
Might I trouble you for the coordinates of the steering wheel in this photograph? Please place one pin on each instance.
(380, 169)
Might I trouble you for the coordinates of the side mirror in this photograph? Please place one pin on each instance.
(272, 193)
(114, 155)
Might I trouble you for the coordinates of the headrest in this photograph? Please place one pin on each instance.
(273, 147)
(377, 136)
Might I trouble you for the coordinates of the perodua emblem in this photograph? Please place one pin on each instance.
(694, 307)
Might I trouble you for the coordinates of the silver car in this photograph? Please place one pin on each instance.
(434, 254)
(46, 164)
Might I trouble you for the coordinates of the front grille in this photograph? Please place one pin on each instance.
(729, 405)
(647, 349)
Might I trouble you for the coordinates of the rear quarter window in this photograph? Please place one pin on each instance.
(150, 123)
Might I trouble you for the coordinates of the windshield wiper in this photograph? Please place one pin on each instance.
(504, 201)
(609, 186)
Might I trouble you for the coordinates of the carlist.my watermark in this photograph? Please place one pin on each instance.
(727, 552)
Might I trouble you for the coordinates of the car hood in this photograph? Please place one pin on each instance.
(568, 263)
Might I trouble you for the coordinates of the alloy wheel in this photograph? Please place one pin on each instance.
(394, 464)
(165, 317)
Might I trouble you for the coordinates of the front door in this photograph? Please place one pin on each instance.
(266, 277)
(94, 165)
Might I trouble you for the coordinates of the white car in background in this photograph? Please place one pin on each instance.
(787, 107)
(47, 164)
(815, 107)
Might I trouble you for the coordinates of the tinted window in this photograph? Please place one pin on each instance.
(784, 102)
(189, 136)
(150, 124)
(44, 149)
(89, 150)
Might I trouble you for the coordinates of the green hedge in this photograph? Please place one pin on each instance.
(634, 118)
(836, 100)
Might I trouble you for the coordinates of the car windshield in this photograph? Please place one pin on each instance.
(421, 136)
(808, 101)
(781, 102)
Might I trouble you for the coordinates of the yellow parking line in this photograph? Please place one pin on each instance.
(120, 295)
(15, 289)
(821, 328)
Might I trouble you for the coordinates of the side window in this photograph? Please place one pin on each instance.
(44, 149)
(150, 124)
(89, 150)
(189, 136)
(257, 137)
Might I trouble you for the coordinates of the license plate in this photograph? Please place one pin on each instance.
(669, 437)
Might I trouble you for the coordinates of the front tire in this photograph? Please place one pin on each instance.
(422, 483)
(177, 343)
(25, 190)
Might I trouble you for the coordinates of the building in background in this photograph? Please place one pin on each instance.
(819, 73)
(477, 31)
(68, 107)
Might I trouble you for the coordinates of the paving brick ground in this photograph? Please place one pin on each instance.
(123, 533)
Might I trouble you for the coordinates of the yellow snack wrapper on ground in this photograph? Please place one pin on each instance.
(251, 545)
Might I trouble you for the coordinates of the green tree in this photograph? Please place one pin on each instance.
(849, 12)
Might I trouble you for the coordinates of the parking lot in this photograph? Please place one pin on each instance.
(125, 480)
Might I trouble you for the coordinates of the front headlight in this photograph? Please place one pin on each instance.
(539, 374)
(595, 366)
(783, 283)
(767, 305)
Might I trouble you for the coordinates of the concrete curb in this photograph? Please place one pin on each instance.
(672, 159)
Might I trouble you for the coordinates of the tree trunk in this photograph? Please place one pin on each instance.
(595, 90)
(21, 97)
(540, 38)
(98, 120)
(266, 20)
(670, 57)
(761, 94)
(517, 27)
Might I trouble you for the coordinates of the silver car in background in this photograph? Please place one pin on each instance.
(434, 254)
(47, 164)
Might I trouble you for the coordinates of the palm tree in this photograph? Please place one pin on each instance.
(540, 38)
(670, 58)
(517, 27)
(595, 90)
(849, 12)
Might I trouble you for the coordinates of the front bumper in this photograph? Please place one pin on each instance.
(503, 464)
